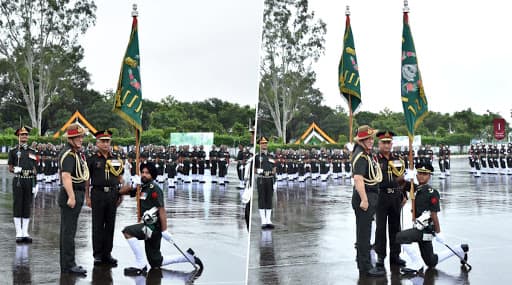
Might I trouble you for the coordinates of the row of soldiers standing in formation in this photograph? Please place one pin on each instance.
(490, 159)
(174, 164)
(320, 164)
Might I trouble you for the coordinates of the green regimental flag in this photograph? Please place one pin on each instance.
(348, 71)
(414, 100)
(128, 99)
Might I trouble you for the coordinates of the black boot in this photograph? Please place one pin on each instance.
(380, 262)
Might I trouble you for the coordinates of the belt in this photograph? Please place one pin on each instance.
(389, 190)
(104, 189)
(264, 176)
(24, 176)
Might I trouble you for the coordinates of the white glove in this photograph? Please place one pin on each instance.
(259, 170)
(136, 180)
(167, 236)
(147, 231)
(17, 170)
(409, 174)
(35, 189)
(439, 237)
(247, 194)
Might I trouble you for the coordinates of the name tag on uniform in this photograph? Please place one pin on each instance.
(32, 156)
(427, 237)
(397, 163)
(271, 160)
(143, 195)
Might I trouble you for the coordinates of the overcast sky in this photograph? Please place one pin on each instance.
(463, 46)
(192, 50)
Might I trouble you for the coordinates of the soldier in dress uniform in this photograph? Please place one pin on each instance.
(22, 163)
(483, 158)
(367, 176)
(106, 176)
(426, 227)
(240, 166)
(476, 160)
(390, 201)
(153, 228)
(74, 175)
(172, 164)
(509, 159)
(194, 159)
(223, 163)
(502, 157)
(443, 161)
(201, 161)
(213, 155)
(265, 168)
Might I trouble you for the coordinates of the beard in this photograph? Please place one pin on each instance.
(145, 180)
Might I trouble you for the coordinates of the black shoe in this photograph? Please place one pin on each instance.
(465, 248)
(134, 271)
(191, 252)
(380, 262)
(110, 261)
(270, 226)
(27, 240)
(19, 239)
(376, 272)
(397, 261)
(199, 263)
(78, 270)
(408, 271)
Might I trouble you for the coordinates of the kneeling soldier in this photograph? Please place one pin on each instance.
(426, 227)
(154, 227)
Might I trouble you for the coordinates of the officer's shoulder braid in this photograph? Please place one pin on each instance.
(81, 169)
(374, 173)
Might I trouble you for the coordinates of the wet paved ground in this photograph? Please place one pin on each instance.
(313, 242)
(209, 220)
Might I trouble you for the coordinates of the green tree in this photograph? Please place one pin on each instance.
(292, 40)
(37, 39)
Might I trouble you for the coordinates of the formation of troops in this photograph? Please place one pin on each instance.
(490, 159)
(321, 165)
(175, 165)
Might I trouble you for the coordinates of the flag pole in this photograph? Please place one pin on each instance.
(411, 137)
(350, 122)
(135, 13)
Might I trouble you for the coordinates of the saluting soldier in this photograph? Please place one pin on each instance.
(367, 176)
(390, 201)
(106, 172)
(265, 168)
(22, 162)
(74, 175)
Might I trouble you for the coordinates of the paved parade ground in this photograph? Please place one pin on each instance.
(205, 218)
(313, 242)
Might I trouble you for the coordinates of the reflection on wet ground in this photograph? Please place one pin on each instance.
(206, 218)
(313, 242)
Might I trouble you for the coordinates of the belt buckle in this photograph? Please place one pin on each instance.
(106, 189)
(391, 190)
